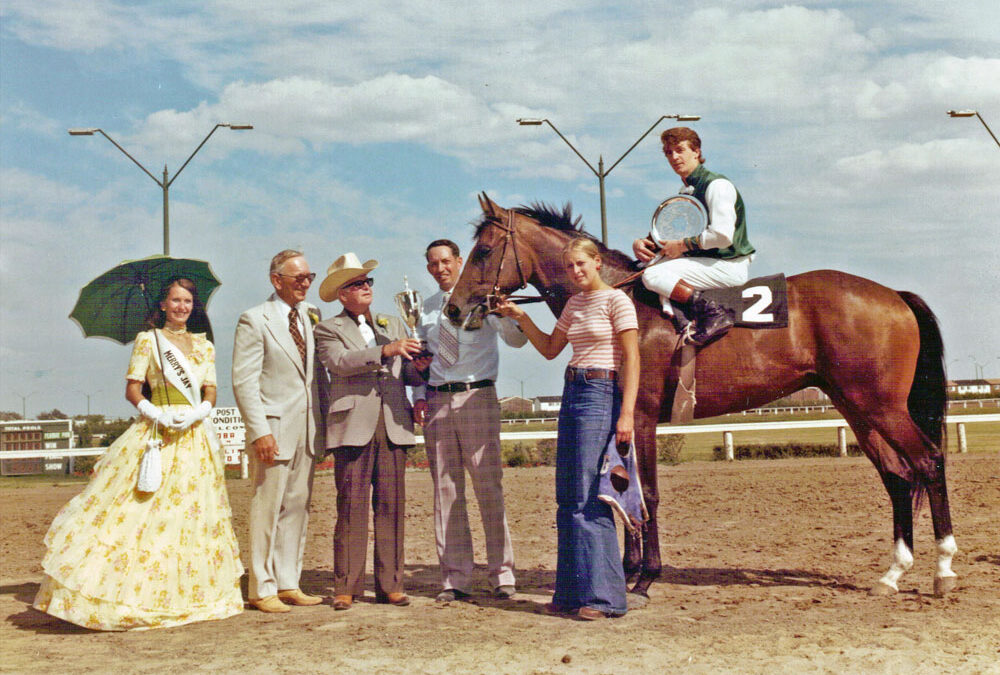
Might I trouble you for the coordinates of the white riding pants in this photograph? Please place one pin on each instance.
(698, 272)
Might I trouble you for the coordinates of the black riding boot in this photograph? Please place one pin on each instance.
(710, 321)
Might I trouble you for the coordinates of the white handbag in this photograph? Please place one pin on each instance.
(150, 470)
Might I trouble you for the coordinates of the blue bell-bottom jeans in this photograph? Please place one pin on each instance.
(589, 569)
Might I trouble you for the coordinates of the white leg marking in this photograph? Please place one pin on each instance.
(902, 560)
(947, 548)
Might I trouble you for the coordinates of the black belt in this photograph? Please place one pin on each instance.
(590, 373)
(461, 386)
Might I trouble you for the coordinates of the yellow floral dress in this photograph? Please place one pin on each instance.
(118, 559)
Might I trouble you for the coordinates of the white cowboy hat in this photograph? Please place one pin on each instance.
(343, 269)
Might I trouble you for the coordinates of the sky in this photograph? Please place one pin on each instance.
(377, 123)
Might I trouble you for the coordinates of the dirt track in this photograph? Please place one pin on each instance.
(767, 566)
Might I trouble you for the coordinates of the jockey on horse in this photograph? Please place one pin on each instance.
(719, 256)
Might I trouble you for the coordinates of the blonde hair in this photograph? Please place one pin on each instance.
(585, 245)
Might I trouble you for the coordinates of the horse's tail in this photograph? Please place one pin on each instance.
(928, 399)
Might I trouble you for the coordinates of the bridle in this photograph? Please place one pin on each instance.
(509, 239)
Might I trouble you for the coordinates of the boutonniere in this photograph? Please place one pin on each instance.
(313, 316)
(382, 322)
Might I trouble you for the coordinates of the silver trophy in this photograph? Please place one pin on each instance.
(411, 306)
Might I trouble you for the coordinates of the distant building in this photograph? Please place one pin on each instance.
(34, 435)
(515, 405)
(974, 387)
(546, 404)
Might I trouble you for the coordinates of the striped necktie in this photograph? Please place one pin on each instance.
(293, 328)
(447, 337)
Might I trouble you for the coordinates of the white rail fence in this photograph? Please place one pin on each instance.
(727, 431)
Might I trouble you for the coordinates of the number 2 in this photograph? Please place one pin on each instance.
(754, 313)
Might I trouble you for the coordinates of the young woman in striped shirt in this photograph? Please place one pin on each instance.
(598, 401)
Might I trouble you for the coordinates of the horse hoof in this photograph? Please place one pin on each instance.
(944, 585)
(881, 589)
(636, 600)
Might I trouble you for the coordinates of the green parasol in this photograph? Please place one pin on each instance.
(116, 304)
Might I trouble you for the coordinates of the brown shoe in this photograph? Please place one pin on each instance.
(342, 602)
(590, 614)
(397, 599)
(271, 604)
(295, 596)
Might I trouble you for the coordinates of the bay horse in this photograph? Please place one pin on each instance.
(876, 352)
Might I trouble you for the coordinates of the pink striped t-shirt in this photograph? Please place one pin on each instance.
(592, 321)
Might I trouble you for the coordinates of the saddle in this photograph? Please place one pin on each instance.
(759, 303)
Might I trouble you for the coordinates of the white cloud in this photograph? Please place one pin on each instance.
(26, 118)
(66, 24)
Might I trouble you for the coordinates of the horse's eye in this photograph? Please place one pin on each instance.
(479, 253)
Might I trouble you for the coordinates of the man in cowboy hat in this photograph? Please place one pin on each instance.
(369, 426)
(278, 386)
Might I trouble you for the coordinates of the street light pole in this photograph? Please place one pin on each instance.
(974, 113)
(24, 404)
(167, 181)
(600, 171)
(980, 367)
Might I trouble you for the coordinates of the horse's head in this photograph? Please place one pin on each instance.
(500, 262)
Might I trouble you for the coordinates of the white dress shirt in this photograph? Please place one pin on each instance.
(479, 353)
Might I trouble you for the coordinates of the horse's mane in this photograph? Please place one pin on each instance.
(548, 215)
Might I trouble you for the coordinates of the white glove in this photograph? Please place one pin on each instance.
(154, 413)
(192, 416)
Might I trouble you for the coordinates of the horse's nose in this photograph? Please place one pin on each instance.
(453, 312)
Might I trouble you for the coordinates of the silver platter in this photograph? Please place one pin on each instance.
(678, 217)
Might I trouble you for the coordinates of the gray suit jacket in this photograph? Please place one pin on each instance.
(275, 393)
(360, 383)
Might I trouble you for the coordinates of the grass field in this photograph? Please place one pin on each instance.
(981, 437)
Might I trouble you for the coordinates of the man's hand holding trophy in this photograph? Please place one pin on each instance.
(411, 306)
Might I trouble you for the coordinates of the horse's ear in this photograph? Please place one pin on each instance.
(486, 204)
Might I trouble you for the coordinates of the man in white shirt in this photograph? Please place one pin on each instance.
(460, 415)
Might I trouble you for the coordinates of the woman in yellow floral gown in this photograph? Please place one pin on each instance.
(120, 559)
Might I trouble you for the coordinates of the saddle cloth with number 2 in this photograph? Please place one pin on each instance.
(759, 303)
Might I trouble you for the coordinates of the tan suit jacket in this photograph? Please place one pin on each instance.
(275, 393)
(360, 383)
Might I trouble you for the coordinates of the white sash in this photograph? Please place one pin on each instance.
(176, 371)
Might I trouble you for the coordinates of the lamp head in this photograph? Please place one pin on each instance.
(82, 132)
(961, 113)
(529, 121)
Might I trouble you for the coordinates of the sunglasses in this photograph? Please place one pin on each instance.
(299, 278)
(361, 283)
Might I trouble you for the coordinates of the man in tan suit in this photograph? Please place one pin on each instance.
(369, 425)
(278, 384)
